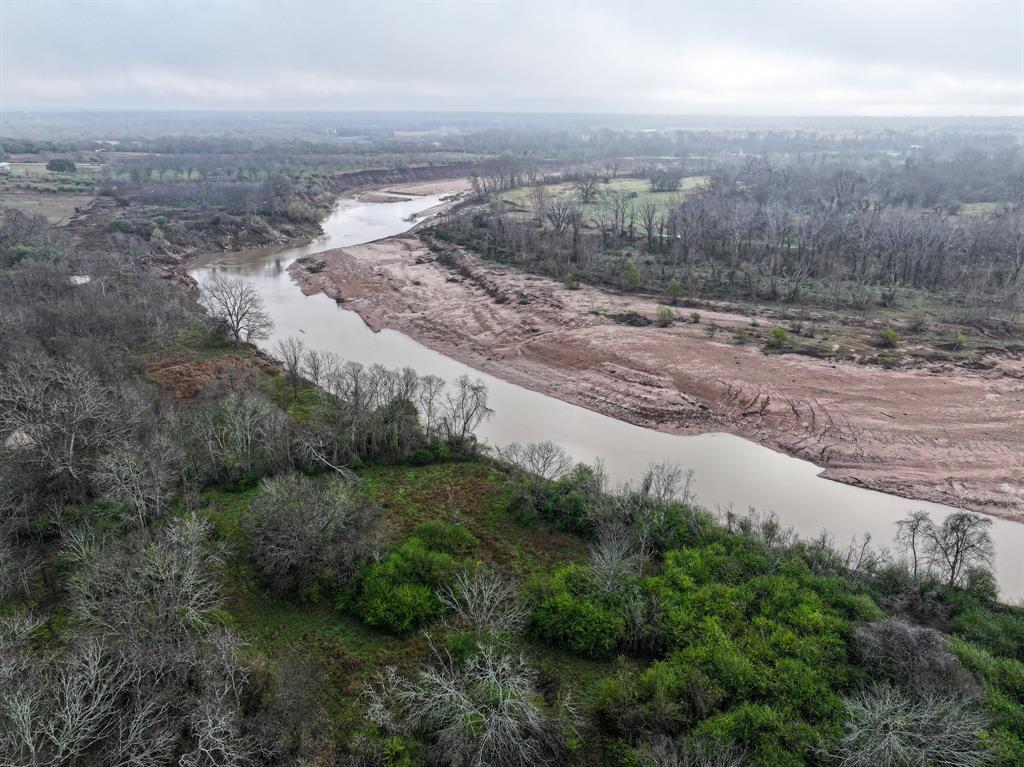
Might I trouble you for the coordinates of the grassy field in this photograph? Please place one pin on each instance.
(38, 169)
(637, 189)
(29, 186)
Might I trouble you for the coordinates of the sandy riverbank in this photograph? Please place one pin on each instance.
(953, 438)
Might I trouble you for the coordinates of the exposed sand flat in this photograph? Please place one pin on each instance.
(423, 188)
(948, 437)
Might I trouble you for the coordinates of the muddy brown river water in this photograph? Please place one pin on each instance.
(728, 470)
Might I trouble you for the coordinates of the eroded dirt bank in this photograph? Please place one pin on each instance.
(952, 437)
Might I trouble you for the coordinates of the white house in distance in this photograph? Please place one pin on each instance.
(5, 168)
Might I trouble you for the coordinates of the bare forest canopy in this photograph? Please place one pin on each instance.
(835, 229)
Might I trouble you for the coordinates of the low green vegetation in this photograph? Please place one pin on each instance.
(400, 593)
(888, 338)
(693, 633)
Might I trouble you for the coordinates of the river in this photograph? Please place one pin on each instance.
(728, 470)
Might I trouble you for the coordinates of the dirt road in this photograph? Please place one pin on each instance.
(935, 434)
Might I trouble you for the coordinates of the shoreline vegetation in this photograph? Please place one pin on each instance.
(211, 558)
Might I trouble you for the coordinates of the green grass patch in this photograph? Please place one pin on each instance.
(475, 495)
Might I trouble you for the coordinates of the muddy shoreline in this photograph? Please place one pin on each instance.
(919, 434)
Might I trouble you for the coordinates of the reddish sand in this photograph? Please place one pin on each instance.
(949, 435)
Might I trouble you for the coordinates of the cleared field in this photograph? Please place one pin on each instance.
(638, 189)
(57, 207)
(38, 169)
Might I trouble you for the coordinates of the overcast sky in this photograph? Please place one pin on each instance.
(740, 58)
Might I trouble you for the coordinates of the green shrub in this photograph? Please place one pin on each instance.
(444, 536)
(777, 338)
(121, 225)
(674, 291)
(756, 650)
(769, 735)
(974, 617)
(1003, 683)
(61, 165)
(630, 276)
(888, 338)
(395, 606)
(399, 594)
(665, 316)
(664, 699)
(956, 341)
(572, 614)
(22, 252)
(566, 502)
(572, 278)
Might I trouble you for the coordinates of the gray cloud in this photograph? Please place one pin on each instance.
(871, 58)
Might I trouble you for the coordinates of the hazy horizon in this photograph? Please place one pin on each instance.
(737, 59)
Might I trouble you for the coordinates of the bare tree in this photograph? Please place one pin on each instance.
(588, 189)
(218, 737)
(915, 658)
(544, 460)
(862, 560)
(292, 352)
(887, 728)
(140, 478)
(429, 400)
(61, 706)
(911, 533)
(61, 414)
(539, 199)
(13, 570)
(302, 531)
(236, 433)
(318, 366)
(649, 210)
(665, 180)
(667, 481)
(465, 408)
(559, 212)
(161, 591)
(962, 542)
(484, 711)
(613, 560)
(238, 306)
(484, 602)
(666, 752)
